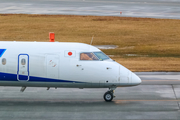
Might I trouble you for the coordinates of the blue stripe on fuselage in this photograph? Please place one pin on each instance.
(2, 52)
(13, 77)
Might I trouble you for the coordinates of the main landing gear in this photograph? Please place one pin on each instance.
(109, 95)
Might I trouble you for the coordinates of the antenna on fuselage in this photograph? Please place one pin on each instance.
(92, 40)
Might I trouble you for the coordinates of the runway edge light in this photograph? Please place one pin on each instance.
(51, 37)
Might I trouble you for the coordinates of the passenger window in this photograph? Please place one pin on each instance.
(4, 61)
(88, 56)
(23, 61)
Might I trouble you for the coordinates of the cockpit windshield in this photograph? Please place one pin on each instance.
(101, 55)
(88, 56)
(93, 56)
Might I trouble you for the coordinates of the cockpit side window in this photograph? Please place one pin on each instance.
(88, 56)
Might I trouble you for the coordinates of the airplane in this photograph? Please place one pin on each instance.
(61, 64)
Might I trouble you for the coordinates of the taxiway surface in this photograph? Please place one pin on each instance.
(140, 102)
(127, 8)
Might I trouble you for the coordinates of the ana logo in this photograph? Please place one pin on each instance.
(2, 52)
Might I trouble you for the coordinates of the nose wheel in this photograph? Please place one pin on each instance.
(109, 95)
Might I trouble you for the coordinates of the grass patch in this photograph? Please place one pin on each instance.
(150, 64)
(157, 39)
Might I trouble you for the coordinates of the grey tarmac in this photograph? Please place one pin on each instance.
(126, 8)
(141, 102)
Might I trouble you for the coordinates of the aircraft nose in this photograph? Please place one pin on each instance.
(135, 79)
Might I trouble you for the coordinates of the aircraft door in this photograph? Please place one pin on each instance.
(23, 67)
(52, 66)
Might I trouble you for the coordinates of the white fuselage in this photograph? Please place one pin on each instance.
(58, 64)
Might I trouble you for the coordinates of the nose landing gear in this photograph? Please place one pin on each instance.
(109, 95)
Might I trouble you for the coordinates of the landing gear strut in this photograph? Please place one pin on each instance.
(109, 95)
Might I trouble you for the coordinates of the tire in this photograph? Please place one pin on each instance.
(108, 96)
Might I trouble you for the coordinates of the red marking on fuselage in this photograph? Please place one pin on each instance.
(69, 53)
